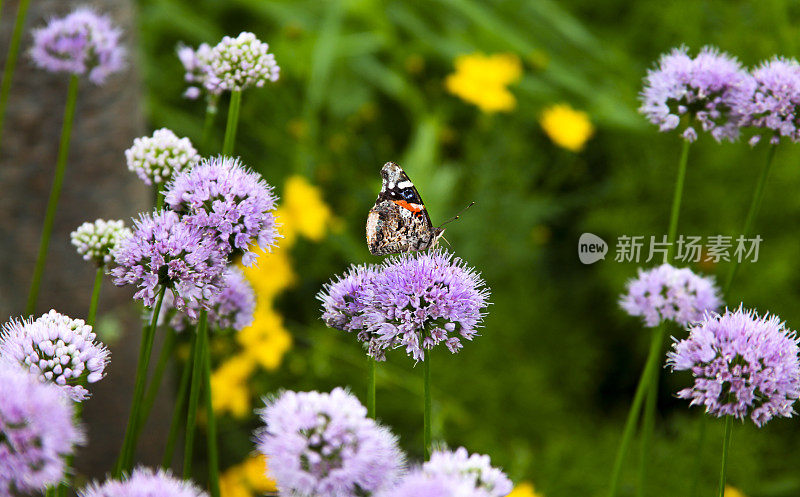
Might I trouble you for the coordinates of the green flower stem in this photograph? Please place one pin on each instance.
(180, 402)
(426, 418)
(11, 58)
(126, 456)
(371, 387)
(726, 443)
(159, 197)
(677, 196)
(194, 394)
(55, 191)
(211, 424)
(155, 382)
(752, 212)
(233, 122)
(98, 282)
(208, 122)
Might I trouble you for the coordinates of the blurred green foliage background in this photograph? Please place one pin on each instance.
(545, 390)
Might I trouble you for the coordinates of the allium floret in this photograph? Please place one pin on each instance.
(144, 482)
(417, 483)
(776, 102)
(37, 432)
(712, 90)
(345, 299)
(166, 251)
(223, 196)
(324, 444)
(157, 159)
(58, 349)
(97, 241)
(475, 468)
(666, 293)
(235, 64)
(83, 42)
(744, 365)
(196, 64)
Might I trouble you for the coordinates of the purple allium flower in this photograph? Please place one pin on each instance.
(57, 348)
(96, 241)
(157, 159)
(712, 89)
(167, 251)
(475, 468)
(196, 64)
(668, 293)
(83, 42)
(419, 300)
(776, 102)
(144, 482)
(37, 431)
(324, 444)
(222, 195)
(743, 365)
(344, 299)
(418, 483)
(238, 63)
(232, 308)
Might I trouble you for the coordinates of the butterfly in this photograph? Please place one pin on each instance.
(399, 222)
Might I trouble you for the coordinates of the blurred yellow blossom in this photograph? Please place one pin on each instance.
(302, 211)
(229, 388)
(271, 274)
(567, 127)
(266, 340)
(733, 492)
(247, 479)
(524, 489)
(483, 79)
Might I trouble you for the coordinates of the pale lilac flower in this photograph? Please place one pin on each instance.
(417, 301)
(418, 483)
(345, 298)
(144, 482)
(666, 293)
(58, 349)
(238, 63)
(225, 197)
(743, 365)
(157, 159)
(712, 90)
(196, 64)
(167, 251)
(37, 432)
(96, 241)
(324, 444)
(475, 468)
(83, 42)
(775, 104)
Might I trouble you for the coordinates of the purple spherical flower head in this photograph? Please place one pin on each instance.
(225, 197)
(236, 64)
(196, 63)
(419, 300)
(37, 431)
(776, 102)
(144, 482)
(57, 348)
(167, 251)
(475, 468)
(83, 42)
(324, 444)
(668, 293)
(418, 483)
(346, 298)
(231, 309)
(712, 89)
(744, 365)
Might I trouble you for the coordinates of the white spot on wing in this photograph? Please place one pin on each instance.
(405, 184)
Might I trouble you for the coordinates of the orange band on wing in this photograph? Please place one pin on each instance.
(408, 206)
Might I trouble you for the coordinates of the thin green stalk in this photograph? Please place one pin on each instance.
(211, 424)
(98, 282)
(180, 402)
(11, 59)
(233, 123)
(194, 394)
(677, 196)
(155, 382)
(55, 193)
(132, 431)
(159, 198)
(726, 443)
(752, 212)
(208, 122)
(371, 387)
(426, 417)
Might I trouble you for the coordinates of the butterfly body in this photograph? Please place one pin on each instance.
(399, 222)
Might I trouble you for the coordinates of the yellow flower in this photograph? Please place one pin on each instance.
(272, 273)
(524, 489)
(231, 484)
(256, 474)
(266, 340)
(567, 127)
(733, 492)
(229, 389)
(483, 79)
(302, 211)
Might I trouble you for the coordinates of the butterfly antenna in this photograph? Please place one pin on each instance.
(457, 216)
(446, 241)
